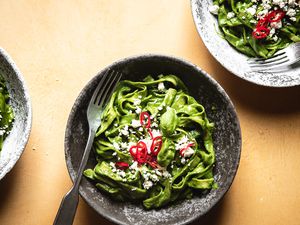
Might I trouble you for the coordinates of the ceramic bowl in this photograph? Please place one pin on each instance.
(230, 58)
(16, 141)
(227, 141)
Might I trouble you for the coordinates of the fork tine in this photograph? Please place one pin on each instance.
(272, 59)
(109, 88)
(96, 92)
(271, 64)
(267, 68)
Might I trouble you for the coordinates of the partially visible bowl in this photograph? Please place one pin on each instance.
(230, 58)
(227, 141)
(16, 141)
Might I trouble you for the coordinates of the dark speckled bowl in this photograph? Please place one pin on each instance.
(227, 141)
(16, 141)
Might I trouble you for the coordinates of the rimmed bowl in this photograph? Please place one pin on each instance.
(16, 141)
(230, 58)
(227, 141)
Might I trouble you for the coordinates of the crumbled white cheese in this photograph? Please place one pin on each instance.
(116, 145)
(251, 10)
(135, 123)
(230, 15)
(293, 19)
(161, 86)
(276, 25)
(292, 2)
(291, 12)
(188, 152)
(138, 110)
(124, 145)
(125, 131)
(154, 124)
(214, 9)
(275, 38)
(114, 153)
(183, 160)
(272, 32)
(158, 172)
(154, 177)
(156, 133)
(137, 101)
(121, 173)
(134, 166)
(166, 174)
(148, 184)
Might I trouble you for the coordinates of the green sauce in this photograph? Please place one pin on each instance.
(179, 133)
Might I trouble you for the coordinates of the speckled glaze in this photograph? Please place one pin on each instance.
(16, 141)
(231, 59)
(227, 141)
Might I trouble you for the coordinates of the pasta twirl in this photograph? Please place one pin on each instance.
(154, 144)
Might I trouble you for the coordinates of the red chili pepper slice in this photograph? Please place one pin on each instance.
(133, 151)
(185, 148)
(151, 160)
(143, 116)
(153, 164)
(275, 16)
(264, 22)
(260, 32)
(150, 133)
(141, 152)
(122, 165)
(156, 145)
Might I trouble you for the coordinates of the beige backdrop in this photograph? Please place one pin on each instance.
(60, 45)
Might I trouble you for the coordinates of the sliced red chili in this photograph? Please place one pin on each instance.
(141, 152)
(260, 32)
(181, 152)
(122, 165)
(133, 151)
(151, 160)
(145, 116)
(153, 164)
(156, 145)
(264, 22)
(150, 133)
(275, 16)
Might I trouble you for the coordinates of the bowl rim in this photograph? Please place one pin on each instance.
(28, 103)
(184, 63)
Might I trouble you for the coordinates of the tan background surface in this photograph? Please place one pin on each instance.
(60, 45)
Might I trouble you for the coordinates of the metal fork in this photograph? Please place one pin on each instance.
(280, 59)
(102, 93)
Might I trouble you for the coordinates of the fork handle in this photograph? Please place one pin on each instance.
(67, 208)
(66, 212)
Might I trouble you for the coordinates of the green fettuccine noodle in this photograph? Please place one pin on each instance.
(237, 29)
(178, 118)
(6, 113)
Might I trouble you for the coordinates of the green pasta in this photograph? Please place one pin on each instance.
(154, 144)
(258, 28)
(6, 113)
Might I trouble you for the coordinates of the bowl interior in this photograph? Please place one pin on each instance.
(227, 141)
(15, 142)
